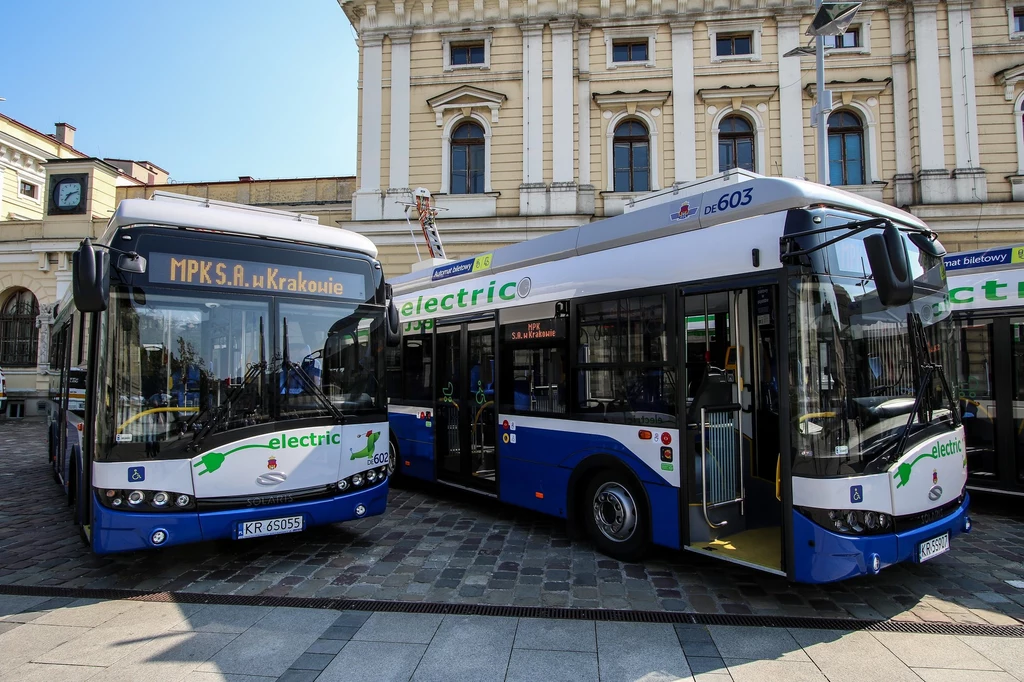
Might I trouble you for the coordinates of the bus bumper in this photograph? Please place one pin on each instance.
(118, 531)
(821, 556)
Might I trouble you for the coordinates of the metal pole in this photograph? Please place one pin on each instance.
(822, 115)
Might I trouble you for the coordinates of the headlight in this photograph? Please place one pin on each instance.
(371, 476)
(343, 484)
(136, 497)
(357, 480)
(182, 500)
(849, 521)
(161, 499)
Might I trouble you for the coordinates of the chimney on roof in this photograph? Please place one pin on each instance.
(66, 134)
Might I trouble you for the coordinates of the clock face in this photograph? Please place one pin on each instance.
(69, 194)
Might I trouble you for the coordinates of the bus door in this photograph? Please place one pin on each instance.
(464, 408)
(728, 348)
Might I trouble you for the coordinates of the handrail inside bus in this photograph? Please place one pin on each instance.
(154, 410)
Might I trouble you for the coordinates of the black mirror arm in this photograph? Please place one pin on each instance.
(854, 228)
(134, 255)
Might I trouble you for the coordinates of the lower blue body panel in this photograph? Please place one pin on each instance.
(118, 531)
(821, 556)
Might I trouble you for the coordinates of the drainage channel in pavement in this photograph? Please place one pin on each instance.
(671, 617)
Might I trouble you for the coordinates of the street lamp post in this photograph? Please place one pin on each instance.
(830, 19)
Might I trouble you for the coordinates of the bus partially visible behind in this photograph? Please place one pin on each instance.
(234, 376)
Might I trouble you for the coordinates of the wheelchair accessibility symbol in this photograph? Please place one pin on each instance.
(856, 494)
(136, 474)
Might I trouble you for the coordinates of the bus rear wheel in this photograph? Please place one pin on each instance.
(615, 516)
(392, 459)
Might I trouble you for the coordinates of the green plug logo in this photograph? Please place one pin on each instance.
(212, 462)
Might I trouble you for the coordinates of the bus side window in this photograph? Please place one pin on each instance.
(535, 379)
(416, 366)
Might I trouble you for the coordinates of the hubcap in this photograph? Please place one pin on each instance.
(614, 512)
(392, 460)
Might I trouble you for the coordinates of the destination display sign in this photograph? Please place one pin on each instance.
(167, 268)
(538, 330)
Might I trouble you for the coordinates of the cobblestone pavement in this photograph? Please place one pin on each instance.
(436, 545)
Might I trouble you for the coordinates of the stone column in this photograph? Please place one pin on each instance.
(904, 178)
(968, 176)
(791, 99)
(366, 202)
(933, 178)
(398, 181)
(585, 198)
(533, 191)
(563, 186)
(684, 129)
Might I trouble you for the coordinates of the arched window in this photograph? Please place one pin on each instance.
(18, 335)
(467, 168)
(735, 144)
(631, 150)
(845, 149)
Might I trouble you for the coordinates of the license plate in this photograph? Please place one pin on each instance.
(933, 548)
(255, 529)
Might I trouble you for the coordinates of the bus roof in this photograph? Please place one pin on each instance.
(752, 196)
(177, 210)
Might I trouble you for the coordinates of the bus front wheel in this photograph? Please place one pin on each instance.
(615, 516)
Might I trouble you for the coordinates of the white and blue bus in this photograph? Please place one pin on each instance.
(234, 376)
(751, 368)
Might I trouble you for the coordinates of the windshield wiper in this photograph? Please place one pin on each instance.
(306, 382)
(920, 358)
(220, 412)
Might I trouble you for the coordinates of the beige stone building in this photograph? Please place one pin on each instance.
(528, 116)
(37, 238)
(330, 199)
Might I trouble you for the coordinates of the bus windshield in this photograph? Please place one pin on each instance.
(853, 369)
(184, 365)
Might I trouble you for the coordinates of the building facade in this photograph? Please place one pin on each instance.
(528, 116)
(37, 238)
(329, 199)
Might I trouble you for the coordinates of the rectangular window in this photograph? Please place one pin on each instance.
(463, 54)
(734, 44)
(394, 373)
(417, 354)
(535, 380)
(1018, 19)
(29, 190)
(629, 51)
(624, 371)
(848, 40)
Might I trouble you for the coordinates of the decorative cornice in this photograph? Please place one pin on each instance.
(1009, 78)
(857, 87)
(476, 98)
(613, 99)
(754, 93)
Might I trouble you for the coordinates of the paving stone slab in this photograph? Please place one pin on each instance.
(377, 661)
(639, 651)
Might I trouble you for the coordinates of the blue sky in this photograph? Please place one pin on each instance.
(206, 89)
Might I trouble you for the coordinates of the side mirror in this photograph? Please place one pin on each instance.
(394, 325)
(890, 264)
(133, 263)
(90, 278)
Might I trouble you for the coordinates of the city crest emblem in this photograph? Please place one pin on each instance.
(684, 212)
(272, 463)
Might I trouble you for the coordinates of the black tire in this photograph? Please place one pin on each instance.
(392, 459)
(615, 514)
